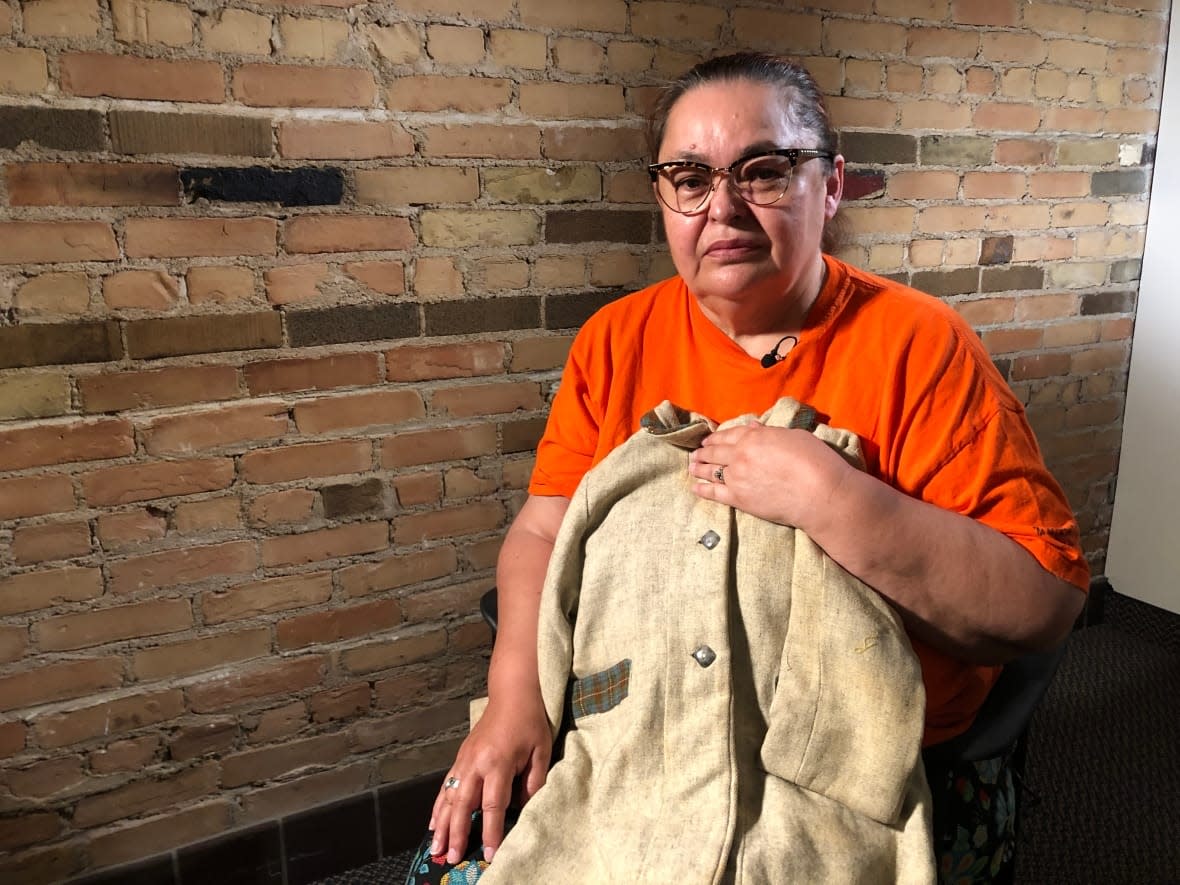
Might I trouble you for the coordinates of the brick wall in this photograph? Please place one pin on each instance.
(285, 287)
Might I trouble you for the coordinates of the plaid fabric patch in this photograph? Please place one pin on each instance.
(805, 419)
(601, 691)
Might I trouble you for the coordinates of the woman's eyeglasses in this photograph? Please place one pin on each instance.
(685, 187)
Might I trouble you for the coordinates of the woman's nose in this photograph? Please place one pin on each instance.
(725, 203)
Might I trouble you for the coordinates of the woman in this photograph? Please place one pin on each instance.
(956, 523)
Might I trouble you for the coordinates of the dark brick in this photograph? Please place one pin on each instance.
(996, 250)
(353, 499)
(521, 436)
(1127, 271)
(1007, 279)
(483, 315)
(1004, 367)
(176, 336)
(311, 186)
(598, 226)
(1123, 181)
(352, 322)
(956, 150)
(145, 132)
(878, 148)
(570, 311)
(947, 282)
(860, 185)
(59, 344)
(1099, 303)
(55, 128)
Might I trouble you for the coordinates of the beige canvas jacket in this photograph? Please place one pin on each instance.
(744, 710)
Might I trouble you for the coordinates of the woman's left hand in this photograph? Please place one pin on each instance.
(782, 475)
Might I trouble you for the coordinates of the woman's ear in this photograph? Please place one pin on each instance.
(834, 187)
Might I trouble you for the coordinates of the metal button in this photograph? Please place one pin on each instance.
(710, 539)
(705, 655)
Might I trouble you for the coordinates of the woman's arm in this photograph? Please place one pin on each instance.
(958, 584)
(512, 736)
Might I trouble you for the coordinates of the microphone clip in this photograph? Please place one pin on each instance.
(769, 359)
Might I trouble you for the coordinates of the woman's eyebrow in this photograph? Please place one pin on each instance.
(752, 150)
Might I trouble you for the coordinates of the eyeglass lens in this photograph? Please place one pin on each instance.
(759, 180)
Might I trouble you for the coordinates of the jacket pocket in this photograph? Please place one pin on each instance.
(600, 691)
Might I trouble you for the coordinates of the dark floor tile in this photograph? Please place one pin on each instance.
(244, 857)
(405, 810)
(330, 839)
(153, 871)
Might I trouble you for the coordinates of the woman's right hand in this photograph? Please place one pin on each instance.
(511, 738)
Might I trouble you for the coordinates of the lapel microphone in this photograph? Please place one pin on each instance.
(774, 356)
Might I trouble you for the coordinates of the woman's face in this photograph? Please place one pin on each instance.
(734, 250)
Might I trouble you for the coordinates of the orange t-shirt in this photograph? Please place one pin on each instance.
(897, 367)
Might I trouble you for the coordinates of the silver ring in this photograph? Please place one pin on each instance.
(451, 783)
(719, 475)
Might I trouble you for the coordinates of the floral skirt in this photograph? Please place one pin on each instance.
(428, 869)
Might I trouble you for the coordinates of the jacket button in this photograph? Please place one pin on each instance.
(710, 539)
(705, 655)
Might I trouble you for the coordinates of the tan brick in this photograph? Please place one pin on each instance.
(931, 114)
(430, 446)
(59, 682)
(868, 113)
(560, 271)
(424, 363)
(538, 354)
(455, 44)
(1058, 248)
(254, 682)
(35, 495)
(358, 410)
(463, 482)
(1007, 116)
(144, 482)
(1009, 217)
(333, 543)
(92, 184)
(571, 101)
(295, 283)
(236, 31)
(304, 461)
(215, 428)
(210, 515)
(23, 71)
(317, 38)
(578, 55)
(937, 42)
(385, 277)
(157, 388)
(1131, 120)
(993, 185)
(1059, 184)
(6, 20)
(1079, 214)
(1001, 341)
(343, 140)
(1023, 152)
(881, 220)
(1076, 55)
(66, 292)
(183, 237)
(33, 242)
(140, 290)
(394, 651)
(196, 655)
(418, 488)
(129, 76)
(778, 31)
(469, 141)
(217, 284)
(120, 530)
(290, 507)
(995, 13)
(500, 275)
(605, 15)
(465, 519)
(615, 269)
(338, 624)
(185, 565)
(264, 597)
(434, 277)
(43, 395)
(152, 21)
(61, 18)
(1073, 120)
(465, 95)
(487, 399)
(52, 541)
(676, 21)
(518, 49)
(263, 85)
(924, 185)
(347, 233)
(98, 627)
(479, 227)
(399, 43)
(987, 311)
(941, 219)
(412, 185)
(514, 184)
(1054, 18)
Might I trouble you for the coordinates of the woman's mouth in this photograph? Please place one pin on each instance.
(732, 249)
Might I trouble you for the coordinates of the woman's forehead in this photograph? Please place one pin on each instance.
(728, 117)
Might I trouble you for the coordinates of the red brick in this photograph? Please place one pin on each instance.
(337, 624)
(185, 565)
(57, 540)
(127, 755)
(350, 540)
(347, 233)
(129, 76)
(144, 482)
(140, 290)
(57, 863)
(98, 627)
(206, 653)
(315, 373)
(59, 682)
(465, 519)
(182, 385)
(45, 588)
(115, 716)
(12, 738)
(118, 530)
(146, 795)
(62, 443)
(358, 410)
(300, 793)
(290, 507)
(14, 642)
(266, 85)
(203, 738)
(346, 702)
(396, 571)
(467, 95)
(35, 495)
(415, 363)
(396, 651)
(430, 446)
(487, 399)
(34, 242)
(343, 140)
(418, 488)
(28, 829)
(413, 688)
(294, 284)
(486, 140)
(215, 428)
(385, 277)
(93, 184)
(247, 684)
(191, 237)
(263, 597)
(210, 515)
(276, 723)
(268, 763)
(307, 460)
(162, 833)
(456, 600)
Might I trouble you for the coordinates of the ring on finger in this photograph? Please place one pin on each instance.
(451, 783)
(719, 475)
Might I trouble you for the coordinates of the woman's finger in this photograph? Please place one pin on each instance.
(465, 798)
(497, 792)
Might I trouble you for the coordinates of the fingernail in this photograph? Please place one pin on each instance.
(452, 856)
(434, 846)
(488, 854)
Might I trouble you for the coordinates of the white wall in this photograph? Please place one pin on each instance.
(1143, 558)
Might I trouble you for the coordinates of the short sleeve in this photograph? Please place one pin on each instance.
(567, 447)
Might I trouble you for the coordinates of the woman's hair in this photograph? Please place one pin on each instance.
(804, 100)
